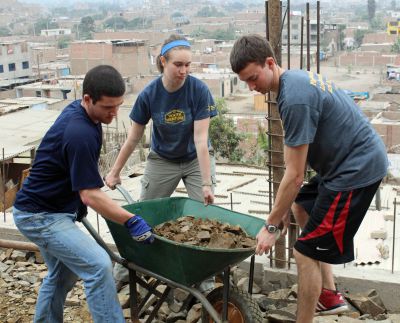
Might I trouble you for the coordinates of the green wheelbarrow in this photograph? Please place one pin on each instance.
(184, 266)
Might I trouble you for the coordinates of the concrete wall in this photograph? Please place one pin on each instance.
(259, 103)
(389, 132)
(367, 59)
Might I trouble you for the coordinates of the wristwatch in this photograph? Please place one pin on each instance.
(271, 228)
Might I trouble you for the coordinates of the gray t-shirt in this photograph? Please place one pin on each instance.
(343, 146)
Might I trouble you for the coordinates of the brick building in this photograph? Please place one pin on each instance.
(129, 57)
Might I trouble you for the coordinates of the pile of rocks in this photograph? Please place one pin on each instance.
(21, 274)
(204, 232)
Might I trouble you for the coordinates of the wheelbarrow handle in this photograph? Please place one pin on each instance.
(125, 193)
(101, 242)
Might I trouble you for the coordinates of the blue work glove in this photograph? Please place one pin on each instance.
(139, 230)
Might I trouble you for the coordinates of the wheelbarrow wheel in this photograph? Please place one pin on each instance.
(241, 307)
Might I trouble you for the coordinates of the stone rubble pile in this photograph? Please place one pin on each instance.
(204, 232)
(21, 274)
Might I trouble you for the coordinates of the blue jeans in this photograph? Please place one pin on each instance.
(70, 254)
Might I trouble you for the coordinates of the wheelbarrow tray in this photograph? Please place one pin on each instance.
(182, 263)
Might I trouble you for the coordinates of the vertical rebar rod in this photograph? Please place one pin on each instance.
(4, 186)
(288, 34)
(308, 34)
(394, 233)
(266, 21)
(231, 202)
(301, 41)
(318, 36)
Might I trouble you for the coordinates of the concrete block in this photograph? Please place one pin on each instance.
(388, 217)
(379, 234)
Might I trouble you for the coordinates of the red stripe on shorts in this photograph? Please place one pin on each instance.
(340, 224)
(327, 223)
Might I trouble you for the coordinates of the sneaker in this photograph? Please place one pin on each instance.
(331, 302)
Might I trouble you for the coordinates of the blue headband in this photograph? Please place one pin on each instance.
(173, 44)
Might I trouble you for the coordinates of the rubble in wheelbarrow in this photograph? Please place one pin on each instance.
(205, 233)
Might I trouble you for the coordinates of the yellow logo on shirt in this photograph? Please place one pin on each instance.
(175, 116)
(318, 80)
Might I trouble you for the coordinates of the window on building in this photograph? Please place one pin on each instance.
(25, 65)
(11, 67)
(38, 94)
(295, 37)
(1, 68)
(295, 26)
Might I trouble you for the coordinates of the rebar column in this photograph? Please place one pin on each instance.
(308, 35)
(301, 42)
(276, 163)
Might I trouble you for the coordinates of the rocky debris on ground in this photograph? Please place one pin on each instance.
(205, 233)
(21, 274)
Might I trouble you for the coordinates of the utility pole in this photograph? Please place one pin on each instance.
(38, 65)
(276, 162)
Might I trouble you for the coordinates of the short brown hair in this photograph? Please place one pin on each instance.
(250, 49)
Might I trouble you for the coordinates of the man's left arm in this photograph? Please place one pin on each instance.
(295, 162)
(203, 156)
(99, 201)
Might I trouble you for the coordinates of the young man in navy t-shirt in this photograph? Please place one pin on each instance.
(64, 179)
(326, 129)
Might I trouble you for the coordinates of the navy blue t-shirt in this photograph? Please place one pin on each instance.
(66, 162)
(173, 116)
(343, 146)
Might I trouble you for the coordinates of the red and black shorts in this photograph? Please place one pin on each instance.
(334, 220)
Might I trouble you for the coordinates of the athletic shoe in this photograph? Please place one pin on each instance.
(331, 302)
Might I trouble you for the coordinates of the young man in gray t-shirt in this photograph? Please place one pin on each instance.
(323, 128)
